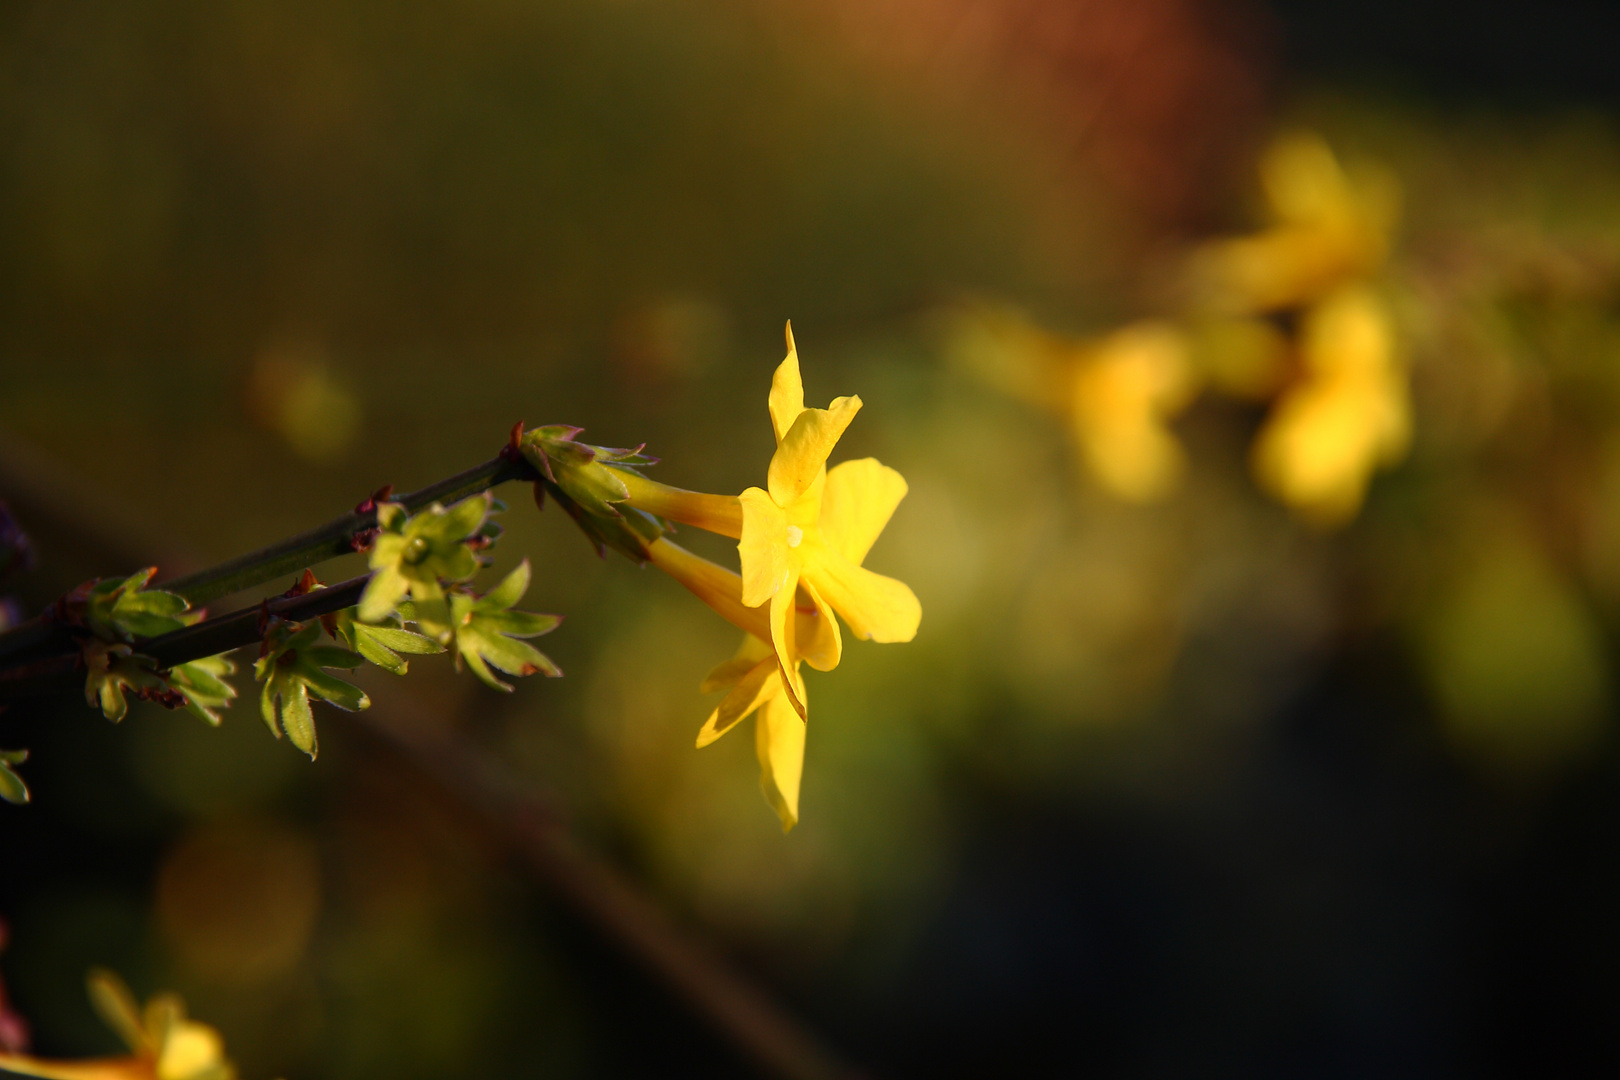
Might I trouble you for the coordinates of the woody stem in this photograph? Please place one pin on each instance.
(40, 636)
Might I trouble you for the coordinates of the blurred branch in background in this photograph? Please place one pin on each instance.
(525, 820)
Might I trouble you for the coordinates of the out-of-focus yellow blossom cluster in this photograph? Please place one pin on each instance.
(163, 1043)
(1293, 314)
(801, 540)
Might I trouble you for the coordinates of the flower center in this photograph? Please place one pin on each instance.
(795, 536)
(416, 551)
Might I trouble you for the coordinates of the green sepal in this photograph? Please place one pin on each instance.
(486, 632)
(12, 788)
(579, 470)
(202, 683)
(291, 670)
(629, 533)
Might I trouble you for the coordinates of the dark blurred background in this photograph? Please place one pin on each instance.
(1199, 787)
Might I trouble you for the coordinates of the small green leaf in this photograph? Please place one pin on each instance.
(299, 721)
(486, 631)
(12, 788)
(381, 644)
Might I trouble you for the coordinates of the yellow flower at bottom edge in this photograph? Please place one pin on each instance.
(165, 1045)
(1350, 414)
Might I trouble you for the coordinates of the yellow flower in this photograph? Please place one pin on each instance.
(1349, 414)
(1125, 390)
(1330, 227)
(807, 531)
(165, 1045)
(802, 541)
(1117, 394)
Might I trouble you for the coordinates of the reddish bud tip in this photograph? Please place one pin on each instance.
(305, 584)
(369, 503)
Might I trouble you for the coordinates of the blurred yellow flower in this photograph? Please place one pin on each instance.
(1348, 414)
(1348, 410)
(1117, 394)
(1125, 389)
(164, 1044)
(1329, 227)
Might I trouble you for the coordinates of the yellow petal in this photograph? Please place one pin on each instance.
(859, 499)
(758, 685)
(787, 391)
(816, 634)
(1303, 180)
(1348, 333)
(779, 742)
(763, 548)
(1352, 413)
(727, 673)
(784, 641)
(804, 449)
(710, 582)
(1121, 395)
(877, 608)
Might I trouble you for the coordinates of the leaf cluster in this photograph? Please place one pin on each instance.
(487, 631)
(415, 554)
(422, 563)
